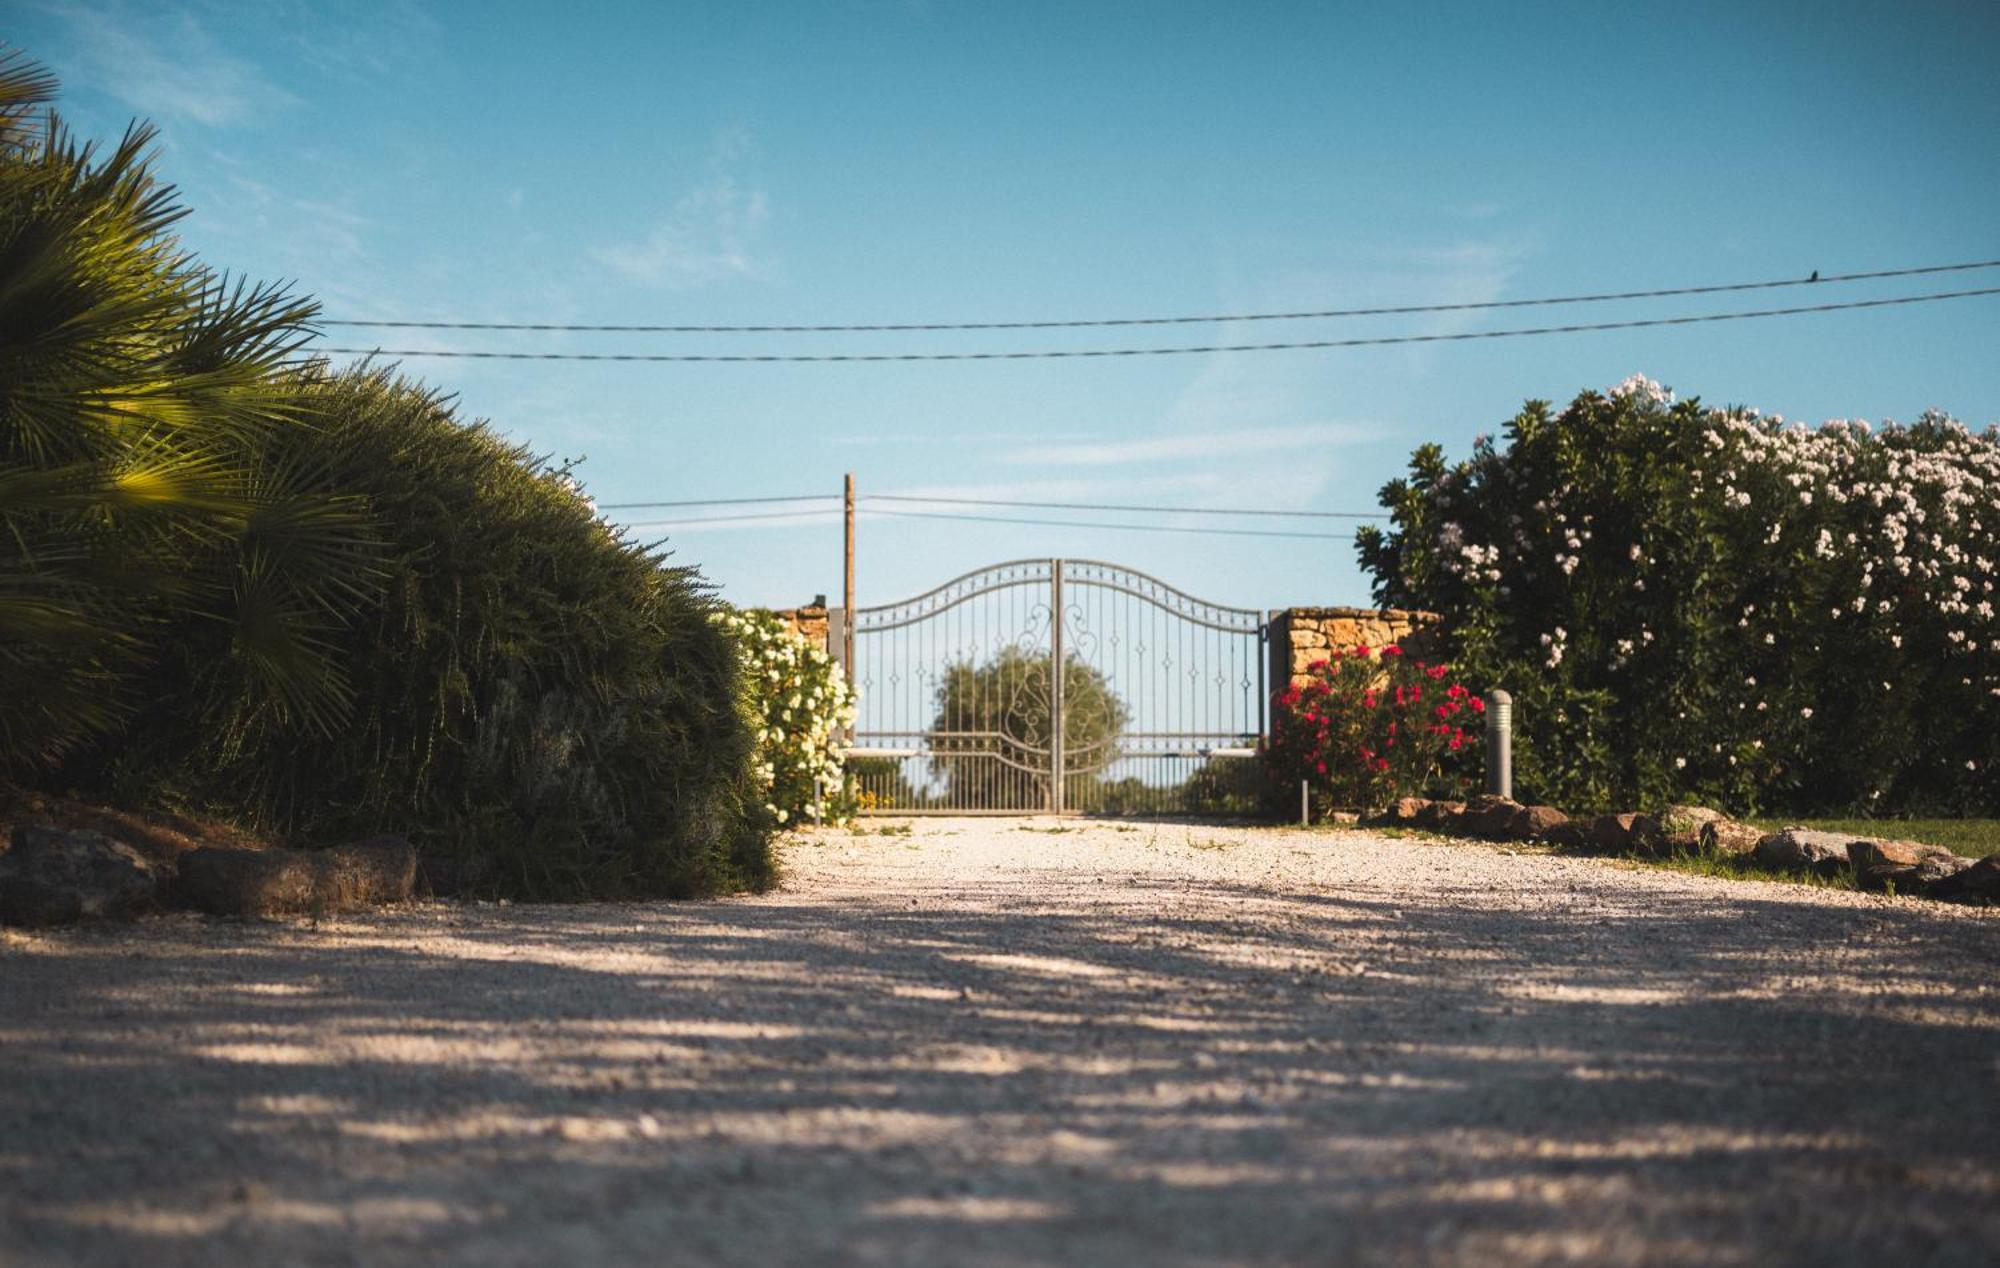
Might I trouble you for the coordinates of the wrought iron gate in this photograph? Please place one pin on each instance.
(1057, 686)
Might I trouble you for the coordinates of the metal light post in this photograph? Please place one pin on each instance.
(1500, 744)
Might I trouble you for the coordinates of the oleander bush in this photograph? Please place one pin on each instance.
(805, 709)
(1700, 604)
(1370, 725)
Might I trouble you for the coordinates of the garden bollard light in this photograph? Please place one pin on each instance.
(1305, 804)
(1500, 744)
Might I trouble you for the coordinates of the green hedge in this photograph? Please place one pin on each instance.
(533, 694)
(1691, 603)
(320, 603)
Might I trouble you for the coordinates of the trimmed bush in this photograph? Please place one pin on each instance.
(534, 696)
(319, 603)
(1712, 605)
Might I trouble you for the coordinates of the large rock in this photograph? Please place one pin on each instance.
(1978, 884)
(1899, 878)
(1793, 848)
(1727, 836)
(1628, 834)
(1612, 832)
(1490, 817)
(281, 882)
(1402, 813)
(1882, 870)
(1680, 827)
(1866, 852)
(1440, 816)
(55, 876)
(1934, 869)
(1536, 823)
(1570, 834)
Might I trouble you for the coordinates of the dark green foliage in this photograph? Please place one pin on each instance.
(533, 693)
(1003, 708)
(139, 399)
(1691, 604)
(321, 604)
(1221, 786)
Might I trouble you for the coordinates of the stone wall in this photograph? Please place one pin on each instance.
(808, 622)
(1300, 636)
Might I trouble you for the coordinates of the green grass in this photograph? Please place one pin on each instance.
(1739, 868)
(1973, 838)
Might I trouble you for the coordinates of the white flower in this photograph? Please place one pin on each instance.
(1805, 712)
(1680, 763)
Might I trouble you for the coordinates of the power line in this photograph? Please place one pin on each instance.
(1112, 506)
(954, 501)
(1054, 354)
(1137, 528)
(768, 516)
(637, 506)
(728, 519)
(1395, 310)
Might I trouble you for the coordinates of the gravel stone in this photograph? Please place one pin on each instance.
(1000, 1043)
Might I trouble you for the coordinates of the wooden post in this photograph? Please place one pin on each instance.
(847, 585)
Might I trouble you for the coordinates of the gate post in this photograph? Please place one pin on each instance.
(1055, 686)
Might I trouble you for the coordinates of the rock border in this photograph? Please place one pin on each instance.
(58, 876)
(1879, 864)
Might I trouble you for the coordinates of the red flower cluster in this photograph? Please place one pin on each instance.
(1367, 725)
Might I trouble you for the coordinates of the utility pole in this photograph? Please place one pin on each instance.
(847, 585)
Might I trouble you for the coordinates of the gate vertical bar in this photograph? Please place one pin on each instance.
(1263, 692)
(1056, 685)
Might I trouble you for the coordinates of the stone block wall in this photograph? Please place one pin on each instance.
(808, 622)
(1300, 636)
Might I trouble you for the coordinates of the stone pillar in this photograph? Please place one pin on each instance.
(1301, 636)
(808, 622)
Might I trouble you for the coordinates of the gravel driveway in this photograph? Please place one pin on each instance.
(1001, 1042)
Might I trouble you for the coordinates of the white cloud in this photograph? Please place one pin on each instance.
(165, 65)
(714, 232)
(398, 35)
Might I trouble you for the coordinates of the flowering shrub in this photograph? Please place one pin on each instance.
(1692, 603)
(802, 707)
(1370, 726)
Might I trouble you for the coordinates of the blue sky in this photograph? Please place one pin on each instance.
(883, 162)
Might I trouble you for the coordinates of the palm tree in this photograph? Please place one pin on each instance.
(139, 395)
